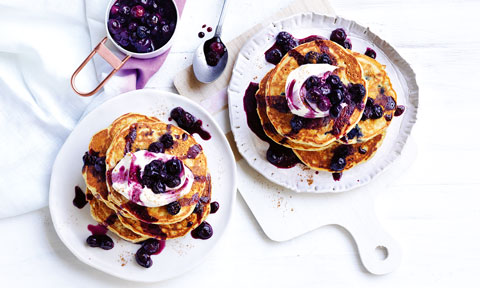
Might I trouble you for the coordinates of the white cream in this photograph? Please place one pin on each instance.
(128, 185)
(295, 91)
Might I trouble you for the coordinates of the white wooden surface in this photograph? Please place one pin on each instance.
(432, 208)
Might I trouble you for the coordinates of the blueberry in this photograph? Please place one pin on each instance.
(153, 19)
(370, 101)
(399, 111)
(334, 81)
(283, 38)
(146, 2)
(311, 57)
(336, 96)
(358, 92)
(338, 35)
(143, 259)
(173, 181)
(273, 56)
(114, 10)
(142, 32)
(122, 37)
(154, 171)
(167, 140)
(155, 30)
(137, 11)
(347, 44)
(106, 242)
(151, 246)
(288, 46)
(335, 110)
(325, 89)
(388, 117)
(156, 147)
(371, 53)
(158, 187)
(324, 103)
(338, 163)
(297, 123)
(217, 47)
(174, 166)
(212, 58)
(132, 26)
(203, 231)
(390, 104)
(114, 26)
(93, 241)
(144, 45)
(362, 150)
(355, 132)
(165, 29)
(173, 208)
(198, 208)
(377, 111)
(367, 113)
(314, 94)
(183, 118)
(311, 82)
(125, 10)
(324, 58)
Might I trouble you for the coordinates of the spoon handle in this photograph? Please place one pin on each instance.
(218, 31)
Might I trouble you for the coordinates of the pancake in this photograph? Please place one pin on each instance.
(138, 136)
(175, 230)
(109, 218)
(320, 160)
(318, 132)
(381, 91)
(126, 120)
(267, 125)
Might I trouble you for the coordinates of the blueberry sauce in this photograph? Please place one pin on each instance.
(98, 229)
(277, 155)
(153, 230)
(214, 49)
(339, 160)
(80, 199)
(142, 26)
(284, 42)
(189, 123)
(140, 212)
(214, 206)
(201, 34)
(204, 231)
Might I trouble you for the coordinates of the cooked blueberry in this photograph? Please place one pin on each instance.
(370, 101)
(371, 53)
(388, 117)
(367, 113)
(167, 140)
(165, 29)
(93, 241)
(334, 81)
(173, 208)
(114, 10)
(138, 11)
(125, 10)
(343, 151)
(399, 111)
(184, 119)
(336, 96)
(146, 3)
(390, 104)
(144, 45)
(203, 231)
(288, 46)
(158, 187)
(153, 172)
(324, 58)
(311, 82)
(173, 181)
(283, 38)
(133, 26)
(312, 57)
(214, 206)
(362, 150)
(335, 110)
(198, 208)
(324, 103)
(296, 123)
(338, 163)
(347, 44)
(314, 94)
(355, 132)
(151, 246)
(338, 35)
(106, 242)
(143, 259)
(156, 147)
(357, 91)
(377, 111)
(174, 166)
(273, 56)
(142, 32)
(114, 26)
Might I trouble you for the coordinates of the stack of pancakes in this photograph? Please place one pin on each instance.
(315, 145)
(130, 221)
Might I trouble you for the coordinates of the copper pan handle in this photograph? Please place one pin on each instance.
(106, 54)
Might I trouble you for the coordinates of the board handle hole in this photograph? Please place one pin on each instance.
(382, 252)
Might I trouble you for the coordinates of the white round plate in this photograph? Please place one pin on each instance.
(251, 67)
(180, 255)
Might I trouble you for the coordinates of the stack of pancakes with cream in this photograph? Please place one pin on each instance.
(136, 199)
(322, 139)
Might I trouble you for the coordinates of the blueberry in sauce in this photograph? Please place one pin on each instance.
(347, 44)
(371, 53)
(296, 123)
(188, 122)
(102, 241)
(336, 96)
(143, 258)
(334, 81)
(80, 199)
(273, 56)
(93, 160)
(174, 166)
(391, 104)
(158, 187)
(377, 111)
(151, 246)
(173, 208)
(311, 82)
(339, 36)
(362, 150)
(312, 57)
(156, 147)
(203, 231)
(201, 34)
(324, 58)
(324, 104)
(399, 111)
(214, 206)
(167, 140)
(172, 181)
(338, 163)
(214, 49)
(357, 91)
(335, 110)
(283, 38)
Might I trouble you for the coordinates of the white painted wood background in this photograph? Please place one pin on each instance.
(432, 210)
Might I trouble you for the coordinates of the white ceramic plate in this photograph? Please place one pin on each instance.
(251, 67)
(179, 255)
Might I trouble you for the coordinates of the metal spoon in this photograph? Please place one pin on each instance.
(208, 71)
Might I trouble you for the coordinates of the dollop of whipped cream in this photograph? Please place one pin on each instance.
(295, 90)
(125, 180)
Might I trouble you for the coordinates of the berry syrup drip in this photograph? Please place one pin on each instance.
(189, 123)
(214, 49)
(98, 229)
(153, 230)
(214, 206)
(130, 138)
(204, 231)
(96, 163)
(277, 155)
(140, 212)
(80, 199)
(149, 247)
(285, 42)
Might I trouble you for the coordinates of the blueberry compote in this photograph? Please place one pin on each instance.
(214, 206)
(285, 42)
(339, 160)
(142, 26)
(189, 123)
(91, 159)
(158, 175)
(99, 237)
(339, 36)
(204, 231)
(80, 199)
(371, 53)
(277, 155)
(149, 247)
(214, 49)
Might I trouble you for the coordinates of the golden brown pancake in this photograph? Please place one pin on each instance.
(319, 132)
(139, 136)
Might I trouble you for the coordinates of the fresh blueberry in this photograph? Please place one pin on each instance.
(138, 11)
(156, 147)
(273, 56)
(143, 259)
(297, 123)
(312, 57)
(114, 26)
(338, 163)
(377, 111)
(173, 208)
(167, 140)
(142, 32)
(174, 167)
(338, 35)
(371, 53)
(334, 81)
(173, 181)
